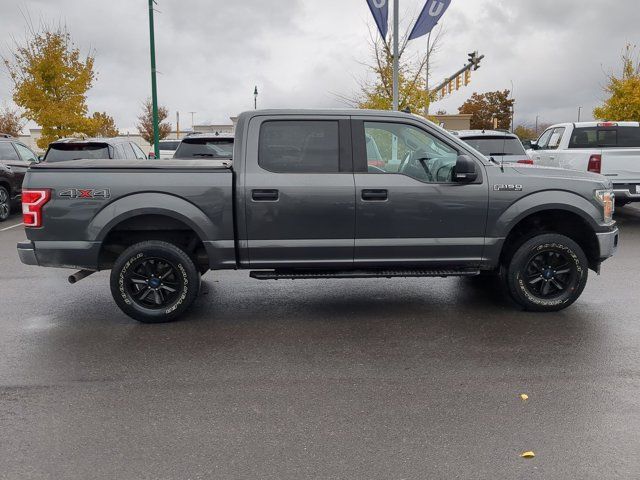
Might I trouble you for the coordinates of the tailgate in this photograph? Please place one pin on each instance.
(621, 165)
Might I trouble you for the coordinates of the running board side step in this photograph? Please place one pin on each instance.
(373, 273)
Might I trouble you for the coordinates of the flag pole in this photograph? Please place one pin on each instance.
(396, 60)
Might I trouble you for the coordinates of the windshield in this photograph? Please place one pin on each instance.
(496, 146)
(59, 152)
(205, 148)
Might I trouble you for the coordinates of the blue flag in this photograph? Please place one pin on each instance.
(380, 11)
(429, 17)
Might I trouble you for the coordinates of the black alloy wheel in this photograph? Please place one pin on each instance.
(5, 204)
(549, 273)
(154, 281)
(546, 273)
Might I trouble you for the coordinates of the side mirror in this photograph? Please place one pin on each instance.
(465, 170)
(527, 144)
(533, 145)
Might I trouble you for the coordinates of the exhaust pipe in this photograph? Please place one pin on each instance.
(79, 275)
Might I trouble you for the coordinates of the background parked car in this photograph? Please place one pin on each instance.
(167, 148)
(15, 158)
(609, 148)
(88, 148)
(203, 145)
(503, 146)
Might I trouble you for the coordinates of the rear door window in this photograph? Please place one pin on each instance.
(7, 152)
(299, 146)
(59, 152)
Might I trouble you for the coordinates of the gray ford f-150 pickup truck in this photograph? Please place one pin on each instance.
(320, 194)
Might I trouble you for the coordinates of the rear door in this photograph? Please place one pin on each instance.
(299, 191)
(409, 212)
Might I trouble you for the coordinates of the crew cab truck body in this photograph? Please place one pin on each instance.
(609, 148)
(300, 200)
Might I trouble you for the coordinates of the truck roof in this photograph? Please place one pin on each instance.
(603, 124)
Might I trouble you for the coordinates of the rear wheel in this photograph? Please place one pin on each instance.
(5, 204)
(154, 282)
(547, 273)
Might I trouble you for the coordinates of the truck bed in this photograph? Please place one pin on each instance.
(162, 164)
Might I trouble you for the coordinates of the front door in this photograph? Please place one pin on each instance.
(409, 212)
(299, 192)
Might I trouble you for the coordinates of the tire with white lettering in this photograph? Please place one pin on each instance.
(154, 281)
(547, 273)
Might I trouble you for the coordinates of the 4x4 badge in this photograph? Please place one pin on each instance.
(507, 188)
(74, 193)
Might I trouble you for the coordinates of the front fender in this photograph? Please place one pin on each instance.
(504, 222)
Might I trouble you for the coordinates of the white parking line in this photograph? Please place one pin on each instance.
(12, 226)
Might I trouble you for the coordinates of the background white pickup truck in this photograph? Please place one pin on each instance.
(609, 148)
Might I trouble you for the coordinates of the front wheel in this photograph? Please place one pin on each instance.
(154, 282)
(547, 273)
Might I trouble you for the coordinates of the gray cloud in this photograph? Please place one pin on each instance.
(300, 52)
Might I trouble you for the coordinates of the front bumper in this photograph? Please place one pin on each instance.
(608, 243)
(27, 253)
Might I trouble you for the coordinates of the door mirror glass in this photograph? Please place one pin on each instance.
(465, 170)
(527, 144)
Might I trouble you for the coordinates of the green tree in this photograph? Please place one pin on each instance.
(10, 122)
(623, 90)
(377, 93)
(102, 125)
(485, 106)
(526, 132)
(51, 79)
(145, 122)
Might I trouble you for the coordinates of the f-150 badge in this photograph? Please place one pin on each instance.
(507, 188)
(87, 193)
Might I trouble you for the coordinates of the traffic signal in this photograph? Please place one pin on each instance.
(467, 77)
(474, 60)
(443, 92)
(458, 82)
(450, 86)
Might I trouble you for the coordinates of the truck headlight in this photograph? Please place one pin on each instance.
(606, 198)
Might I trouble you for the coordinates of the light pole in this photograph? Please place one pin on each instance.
(537, 116)
(154, 88)
(255, 98)
(192, 125)
(579, 111)
(396, 60)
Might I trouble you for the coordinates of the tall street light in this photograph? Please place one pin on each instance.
(255, 98)
(154, 88)
(396, 53)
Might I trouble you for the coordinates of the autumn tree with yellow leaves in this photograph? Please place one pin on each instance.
(51, 79)
(623, 90)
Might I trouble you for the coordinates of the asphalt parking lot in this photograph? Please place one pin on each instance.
(401, 379)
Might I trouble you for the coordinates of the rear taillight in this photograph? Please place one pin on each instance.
(526, 161)
(595, 164)
(32, 203)
(607, 124)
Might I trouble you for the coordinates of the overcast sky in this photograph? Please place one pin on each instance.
(301, 53)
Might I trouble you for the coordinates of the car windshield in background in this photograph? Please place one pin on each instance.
(496, 146)
(59, 152)
(169, 145)
(609, 137)
(205, 148)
